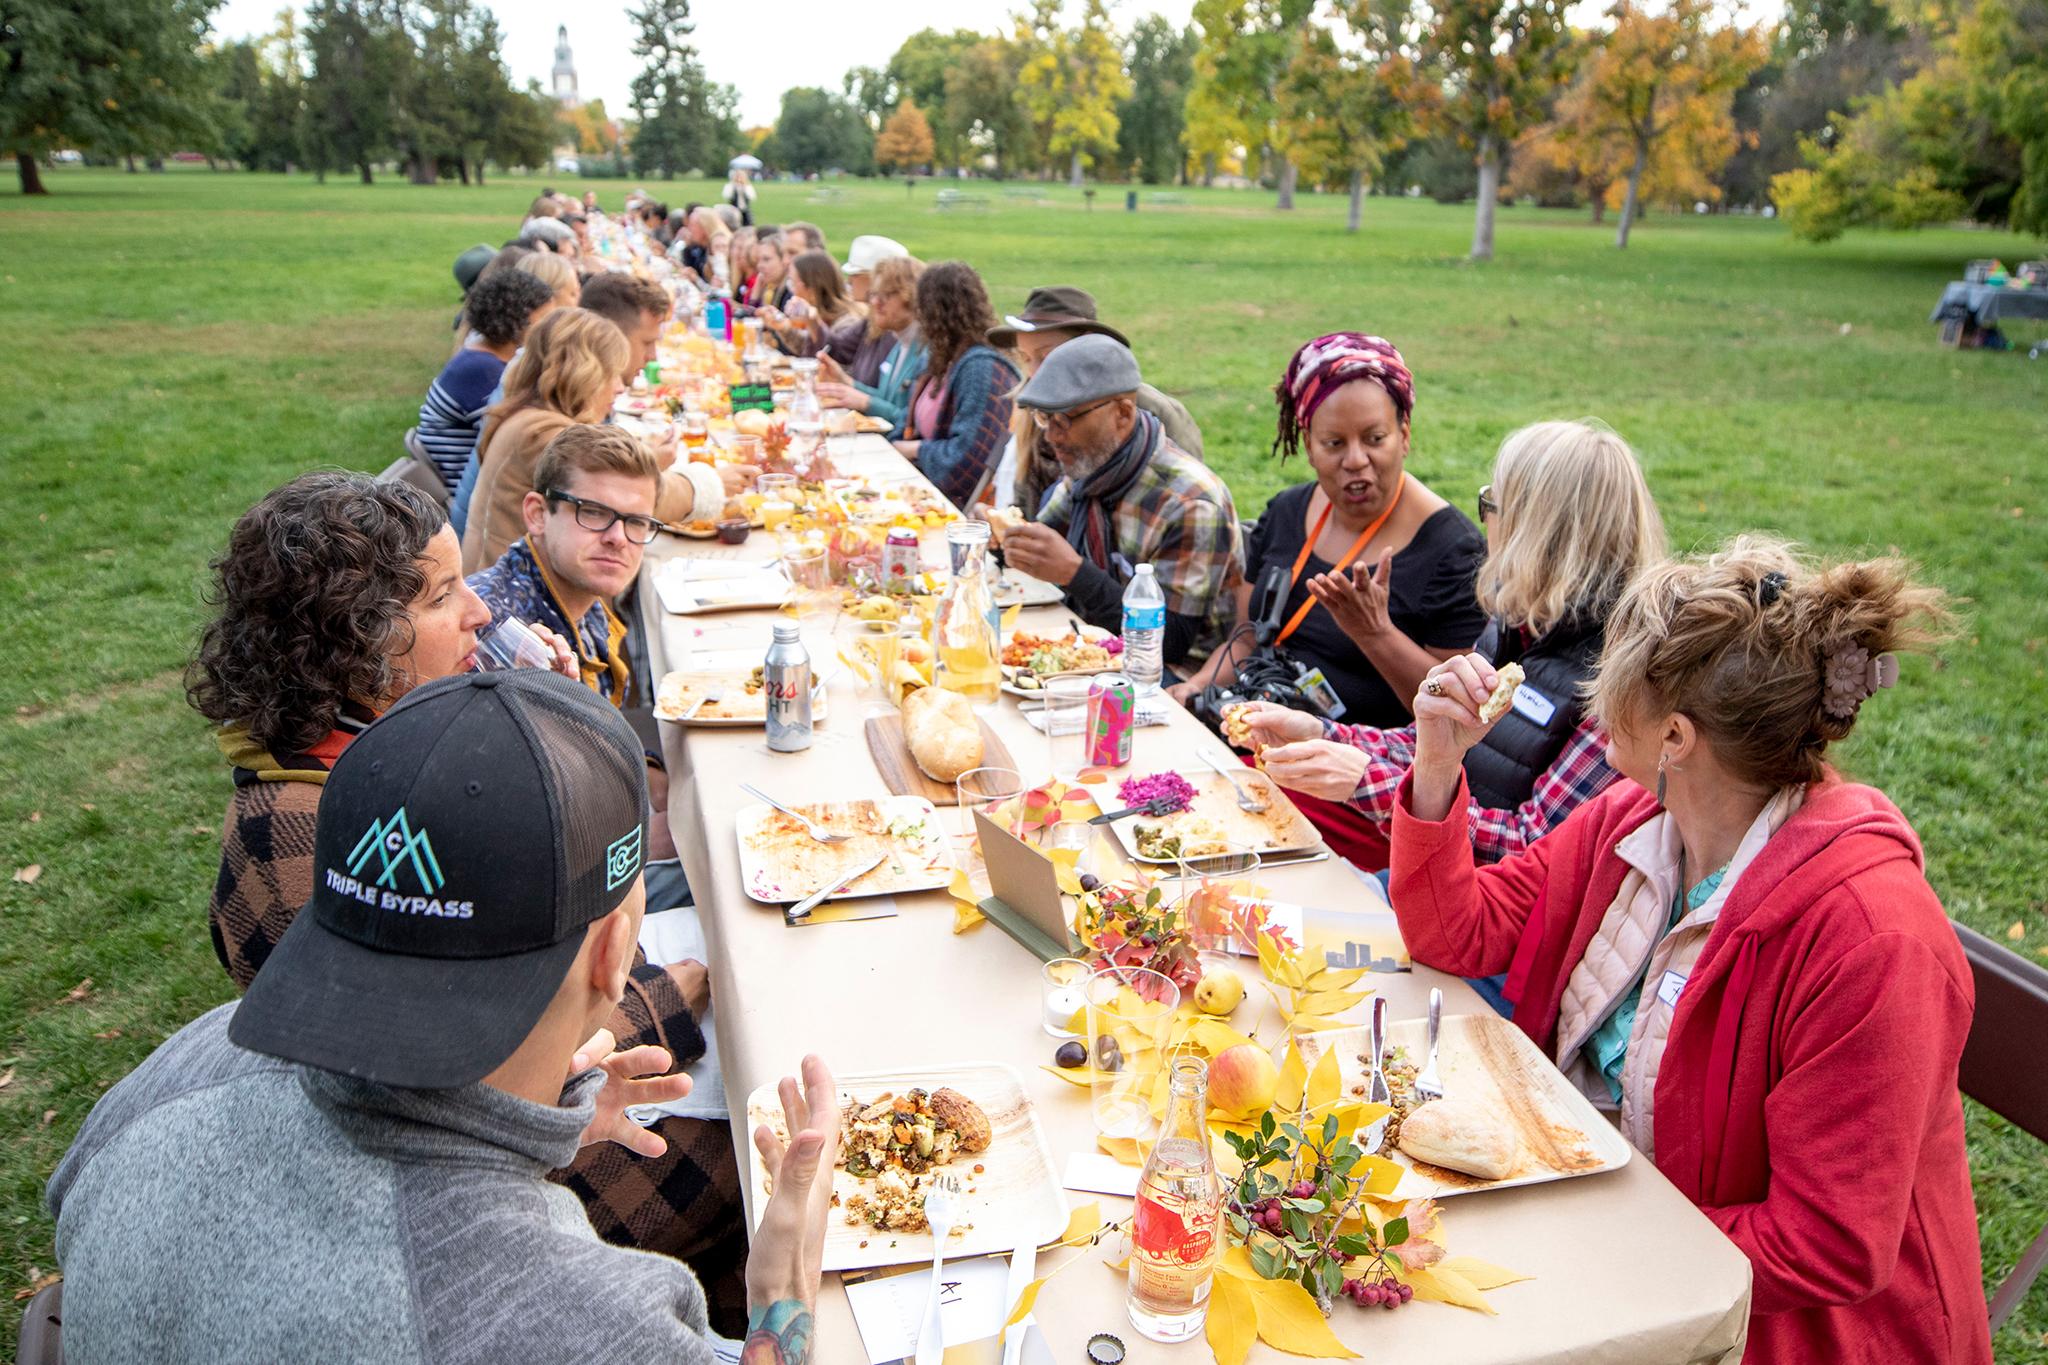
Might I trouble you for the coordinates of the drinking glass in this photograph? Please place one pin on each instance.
(804, 562)
(509, 644)
(987, 790)
(1130, 1018)
(880, 643)
(747, 450)
(775, 486)
(1066, 725)
(1207, 890)
(1065, 981)
(696, 430)
(1077, 835)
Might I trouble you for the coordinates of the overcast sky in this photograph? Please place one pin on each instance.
(763, 49)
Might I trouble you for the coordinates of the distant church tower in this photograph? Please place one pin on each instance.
(565, 70)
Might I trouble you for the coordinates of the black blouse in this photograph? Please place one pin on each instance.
(1430, 588)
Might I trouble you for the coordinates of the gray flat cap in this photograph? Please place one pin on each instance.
(1080, 372)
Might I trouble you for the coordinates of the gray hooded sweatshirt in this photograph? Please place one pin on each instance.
(221, 1205)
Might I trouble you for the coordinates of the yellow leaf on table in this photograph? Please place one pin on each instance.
(1293, 1083)
(1129, 1151)
(1025, 1301)
(1324, 1083)
(1078, 1021)
(965, 916)
(1381, 1175)
(1009, 617)
(1083, 1076)
(1065, 871)
(1233, 1320)
(1290, 1321)
(1083, 1223)
(1438, 1285)
(1214, 1036)
(966, 905)
(1238, 1261)
(1314, 1023)
(1333, 978)
(1481, 1274)
(1327, 1002)
(1277, 965)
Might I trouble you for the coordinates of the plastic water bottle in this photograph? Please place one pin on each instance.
(1144, 631)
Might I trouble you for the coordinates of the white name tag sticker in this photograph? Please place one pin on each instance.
(1668, 988)
(1534, 705)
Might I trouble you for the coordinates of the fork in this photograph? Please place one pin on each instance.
(813, 828)
(1428, 1084)
(941, 1207)
(714, 693)
(1245, 801)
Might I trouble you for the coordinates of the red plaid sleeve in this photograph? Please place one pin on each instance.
(1579, 773)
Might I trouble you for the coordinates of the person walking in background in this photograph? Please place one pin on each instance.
(738, 191)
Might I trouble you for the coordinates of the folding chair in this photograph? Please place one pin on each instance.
(2001, 1069)
(415, 468)
(42, 1328)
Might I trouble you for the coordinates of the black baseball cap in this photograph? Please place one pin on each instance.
(464, 842)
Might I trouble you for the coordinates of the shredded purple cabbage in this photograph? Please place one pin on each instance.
(1168, 786)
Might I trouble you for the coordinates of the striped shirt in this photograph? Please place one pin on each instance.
(453, 416)
(1578, 774)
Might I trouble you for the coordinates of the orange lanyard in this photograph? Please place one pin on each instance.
(1301, 560)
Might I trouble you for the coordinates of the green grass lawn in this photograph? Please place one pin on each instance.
(174, 345)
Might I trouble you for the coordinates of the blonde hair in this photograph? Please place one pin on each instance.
(896, 275)
(557, 274)
(590, 449)
(570, 362)
(1741, 641)
(1576, 522)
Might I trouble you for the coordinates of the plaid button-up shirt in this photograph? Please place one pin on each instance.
(1179, 518)
(1578, 774)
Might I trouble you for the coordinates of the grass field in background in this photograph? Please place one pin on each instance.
(174, 345)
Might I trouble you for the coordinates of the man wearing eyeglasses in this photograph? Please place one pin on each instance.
(1127, 496)
(589, 517)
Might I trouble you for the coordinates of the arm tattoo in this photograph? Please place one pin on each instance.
(779, 1334)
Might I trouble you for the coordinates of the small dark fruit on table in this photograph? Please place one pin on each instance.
(1071, 1054)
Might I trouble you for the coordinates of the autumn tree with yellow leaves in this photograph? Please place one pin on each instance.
(1071, 82)
(1350, 94)
(1655, 100)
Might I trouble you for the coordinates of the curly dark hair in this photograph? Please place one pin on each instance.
(312, 594)
(953, 312)
(500, 305)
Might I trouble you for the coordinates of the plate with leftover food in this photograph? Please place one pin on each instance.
(684, 697)
(1208, 818)
(1028, 660)
(780, 863)
(1508, 1116)
(900, 1130)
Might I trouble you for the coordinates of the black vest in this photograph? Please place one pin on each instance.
(1502, 769)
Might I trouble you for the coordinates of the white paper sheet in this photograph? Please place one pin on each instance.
(1149, 711)
(889, 1309)
(1100, 1173)
(671, 936)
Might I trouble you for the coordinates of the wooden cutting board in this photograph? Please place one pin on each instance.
(900, 773)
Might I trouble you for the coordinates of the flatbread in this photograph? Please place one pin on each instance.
(1461, 1136)
(1509, 678)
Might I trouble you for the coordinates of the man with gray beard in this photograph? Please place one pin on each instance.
(1127, 496)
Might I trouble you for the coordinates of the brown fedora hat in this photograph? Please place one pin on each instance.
(1054, 308)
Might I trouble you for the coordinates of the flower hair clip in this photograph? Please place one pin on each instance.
(1853, 674)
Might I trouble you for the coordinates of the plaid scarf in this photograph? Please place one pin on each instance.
(1098, 496)
(1327, 364)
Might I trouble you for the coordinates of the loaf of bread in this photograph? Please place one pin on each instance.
(1461, 1136)
(751, 422)
(944, 736)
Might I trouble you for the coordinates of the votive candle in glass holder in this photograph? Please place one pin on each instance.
(1065, 995)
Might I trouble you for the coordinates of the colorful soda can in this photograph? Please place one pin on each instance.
(1112, 717)
(900, 561)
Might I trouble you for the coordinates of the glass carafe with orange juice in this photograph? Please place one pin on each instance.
(964, 633)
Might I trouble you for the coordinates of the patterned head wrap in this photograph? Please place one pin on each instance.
(1325, 365)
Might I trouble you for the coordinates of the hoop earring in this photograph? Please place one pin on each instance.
(1661, 761)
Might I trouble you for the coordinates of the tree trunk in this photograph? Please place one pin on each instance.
(1208, 169)
(31, 174)
(479, 172)
(462, 169)
(1074, 171)
(422, 171)
(364, 167)
(131, 163)
(1599, 204)
(1357, 198)
(1628, 199)
(1489, 198)
(1288, 175)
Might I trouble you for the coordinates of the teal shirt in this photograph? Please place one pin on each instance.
(1607, 1049)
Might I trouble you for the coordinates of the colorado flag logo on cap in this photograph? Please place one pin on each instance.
(622, 859)
(399, 848)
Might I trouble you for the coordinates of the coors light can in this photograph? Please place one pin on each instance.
(786, 680)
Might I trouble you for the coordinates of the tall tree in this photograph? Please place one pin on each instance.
(683, 120)
(1071, 84)
(357, 55)
(905, 142)
(917, 72)
(1216, 133)
(818, 131)
(1499, 60)
(1244, 51)
(1161, 62)
(1664, 79)
(872, 90)
(121, 76)
(981, 104)
(1350, 94)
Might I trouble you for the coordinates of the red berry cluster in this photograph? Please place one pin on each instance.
(1266, 1212)
(1386, 1293)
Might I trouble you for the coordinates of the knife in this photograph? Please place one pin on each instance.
(802, 909)
(1023, 1265)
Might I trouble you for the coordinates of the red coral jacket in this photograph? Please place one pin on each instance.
(1807, 1101)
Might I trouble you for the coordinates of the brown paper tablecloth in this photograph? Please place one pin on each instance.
(1626, 1269)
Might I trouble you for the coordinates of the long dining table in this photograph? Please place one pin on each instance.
(1625, 1268)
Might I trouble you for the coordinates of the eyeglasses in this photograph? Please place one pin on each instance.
(1065, 420)
(595, 516)
(1487, 506)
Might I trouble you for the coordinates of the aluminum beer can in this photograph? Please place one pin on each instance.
(901, 561)
(786, 682)
(1112, 717)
